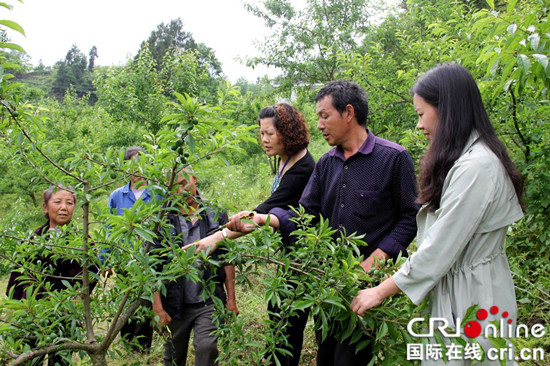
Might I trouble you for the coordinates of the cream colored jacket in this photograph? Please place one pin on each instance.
(461, 259)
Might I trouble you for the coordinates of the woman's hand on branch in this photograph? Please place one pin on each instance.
(371, 297)
(366, 299)
(236, 222)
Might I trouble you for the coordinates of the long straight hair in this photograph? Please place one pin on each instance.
(460, 111)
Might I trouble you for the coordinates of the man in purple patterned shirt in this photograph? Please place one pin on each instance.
(365, 185)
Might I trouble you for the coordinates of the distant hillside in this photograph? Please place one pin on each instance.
(39, 81)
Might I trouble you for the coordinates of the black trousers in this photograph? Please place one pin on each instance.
(332, 352)
(196, 318)
(294, 333)
(138, 330)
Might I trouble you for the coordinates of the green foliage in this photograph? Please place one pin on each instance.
(60, 152)
(133, 94)
(319, 273)
(137, 93)
(170, 100)
(305, 43)
(168, 42)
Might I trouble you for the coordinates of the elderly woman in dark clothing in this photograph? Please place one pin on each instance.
(58, 205)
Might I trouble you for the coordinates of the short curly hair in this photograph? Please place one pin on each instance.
(290, 125)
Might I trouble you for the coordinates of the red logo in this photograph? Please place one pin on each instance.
(472, 329)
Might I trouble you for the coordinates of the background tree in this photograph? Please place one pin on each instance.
(168, 38)
(172, 38)
(73, 71)
(93, 56)
(305, 43)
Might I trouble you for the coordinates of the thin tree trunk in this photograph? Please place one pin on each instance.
(98, 358)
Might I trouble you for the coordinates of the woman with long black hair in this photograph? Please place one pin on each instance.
(471, 193)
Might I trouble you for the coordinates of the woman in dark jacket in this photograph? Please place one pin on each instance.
(48, 272)
(283, 134)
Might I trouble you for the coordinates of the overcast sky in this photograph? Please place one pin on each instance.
(117, 28)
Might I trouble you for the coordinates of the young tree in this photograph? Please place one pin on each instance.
(54, 322)
(193, 132)
(135, 93)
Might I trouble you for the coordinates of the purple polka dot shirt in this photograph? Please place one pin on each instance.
(372, 192)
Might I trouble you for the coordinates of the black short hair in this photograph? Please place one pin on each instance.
(345, 92)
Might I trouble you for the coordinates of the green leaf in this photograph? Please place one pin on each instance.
(511, 5)
(10, 65)
(494, 66)
(144, 234)
(524, 63)
(349, 330)
(507, 84)
(335, 303)
(300, 305)
(13, 25)
(534, 39)
(362, 345)
(382, 331)
(12, 46)
(541, 59)
(491, 3)
(191, 143)
(394, 334)
(498, 342)
(356, 336)
(470, 315)
(439, 339)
